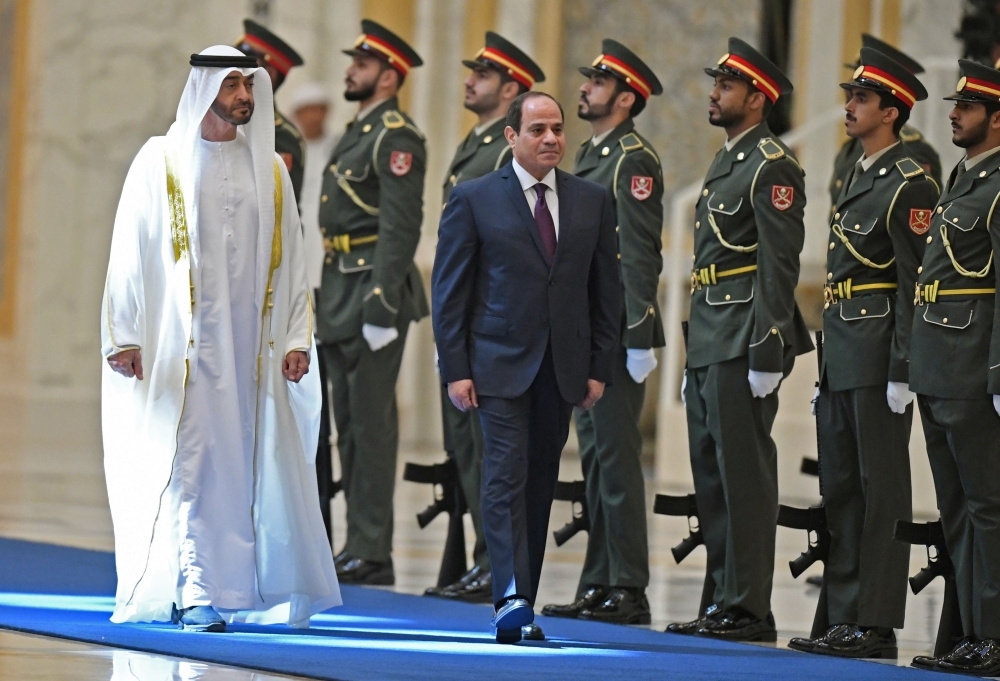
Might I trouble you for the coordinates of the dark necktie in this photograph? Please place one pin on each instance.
(546, 225)
(859, 170)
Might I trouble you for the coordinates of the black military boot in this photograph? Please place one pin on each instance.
(807, 645)
(737, 624)
(622, 606)
(691, 628)
(357, 571)
(462, 581)
(983, 660)
(341, 558)
(590, 598)
(861, 642)
(477, 590)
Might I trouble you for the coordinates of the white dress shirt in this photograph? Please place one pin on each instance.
(528, 183)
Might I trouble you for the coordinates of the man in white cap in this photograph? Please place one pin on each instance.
(210, 413)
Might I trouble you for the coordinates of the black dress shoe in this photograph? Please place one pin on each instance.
(622, 606)
(463, 581)
(341, 558)
(739, 625)
(807, 645)
(508, 636)
(590, 598)
(868, 643)
(479, 590)
(357, 571)
(983, 660)
(963, 649)
(532, 632)
(691, 628)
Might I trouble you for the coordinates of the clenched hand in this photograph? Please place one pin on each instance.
(463, 394)
(295, 366)
(128, 363)
(595, 390)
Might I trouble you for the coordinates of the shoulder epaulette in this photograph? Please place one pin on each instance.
(909, 168)
(630, 142)
(393, 120)
(772, 150)
(910, 136)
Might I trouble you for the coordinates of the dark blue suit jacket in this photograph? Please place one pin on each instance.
(498, 301)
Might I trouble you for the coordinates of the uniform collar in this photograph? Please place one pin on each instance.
(971, 162)
(736, 140)
(371, 108)
(868, 161)
(480, 129)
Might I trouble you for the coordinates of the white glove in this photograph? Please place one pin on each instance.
(684, 388)
(996, 403)
(378, 336)
(814, 400)
(899, 396)
(640, 363)
(763, 383)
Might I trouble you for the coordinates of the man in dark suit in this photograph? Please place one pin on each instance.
(526, 297)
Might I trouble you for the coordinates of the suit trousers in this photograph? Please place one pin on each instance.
(963, 445)
(463, 440)
(611, 451)
(735, 470)
(523, 438)
(865, 466)
(364, 408)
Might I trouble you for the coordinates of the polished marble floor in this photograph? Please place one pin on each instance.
(52, 490)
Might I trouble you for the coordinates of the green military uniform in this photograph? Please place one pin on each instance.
(915, 147)
(610, 440)
(370, 214)
(876, 243)
(955, 371)
(748, 237)
(291, 147)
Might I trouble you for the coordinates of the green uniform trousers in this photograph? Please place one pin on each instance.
(865, 464)
(963, 445)
(610, 451)
(364, 409)
(735, 469)
(463, 440)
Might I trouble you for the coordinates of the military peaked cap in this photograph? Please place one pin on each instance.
(622, 63)
(379, 42)
(904, 60)
(882, 73)
(257, 41)
(978, 83)
(504, 56)
(746, 63)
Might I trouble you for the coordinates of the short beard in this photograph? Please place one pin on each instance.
(360, 95)
(975, 136)
(485, 103)
(594, 112)
(727, 119)
(227, 114)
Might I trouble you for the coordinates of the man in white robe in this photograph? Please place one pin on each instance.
(210, 413)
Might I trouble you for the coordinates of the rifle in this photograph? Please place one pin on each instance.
(687, 506)
(451, 501)
(813, 521)
(576, 493)
(939, 564)
(327, 486)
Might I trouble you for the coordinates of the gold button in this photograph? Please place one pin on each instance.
(721, 206)
(324, 198)
(982, 174)
(955, 220)
(619, 256)
(857, 226)
(882, 170)
(728, 296)
(838, 184)
(826, 306)
(864, 312)
(693, 258)
(618, 229)
(920, 269)
(452, 179)
(697, 224)
(329, 260)
(774, 330)
(367, 128)
(605, 151)
(945, 320)
(361, 261)
(652, 310)
(270, 304)
(940, 210)
(836, 216)
(739, 156)
(333, 167)
(829, 276)
(831, 245)
(443, 206)
(347, 172)
(930, 239)
(704, 192)
(377, 291)
(487, 139)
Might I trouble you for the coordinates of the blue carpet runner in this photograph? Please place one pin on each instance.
(68, 593)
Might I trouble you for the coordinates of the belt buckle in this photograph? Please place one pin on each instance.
(695, 281)
(829, 295)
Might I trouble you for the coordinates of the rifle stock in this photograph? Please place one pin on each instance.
(452, 501)
(576, 493)
(684, 506)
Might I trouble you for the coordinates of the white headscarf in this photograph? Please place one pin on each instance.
(183, 144)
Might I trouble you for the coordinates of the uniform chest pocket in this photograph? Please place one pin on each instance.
(950, 315)
(866, 307)
(856, 223)
(730, 292)
(963, 220)
(720, 203)
(355, 171)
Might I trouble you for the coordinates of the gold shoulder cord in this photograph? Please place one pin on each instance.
(954, 263)
(353, 196)
(839, 231)
(732, 247)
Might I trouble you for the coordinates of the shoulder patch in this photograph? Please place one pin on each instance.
(909, 168)
(630, 142)
(393, 120)
(910, 135)
(772, 150)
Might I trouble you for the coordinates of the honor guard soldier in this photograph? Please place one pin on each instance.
(275, 56)
(863, 410)
(499, 73)
(370, 215)
(917, 148)
(744, 333)
(616, 570)
(955, 368)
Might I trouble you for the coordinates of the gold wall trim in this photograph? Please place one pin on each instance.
(549, 44)
(15, 157)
